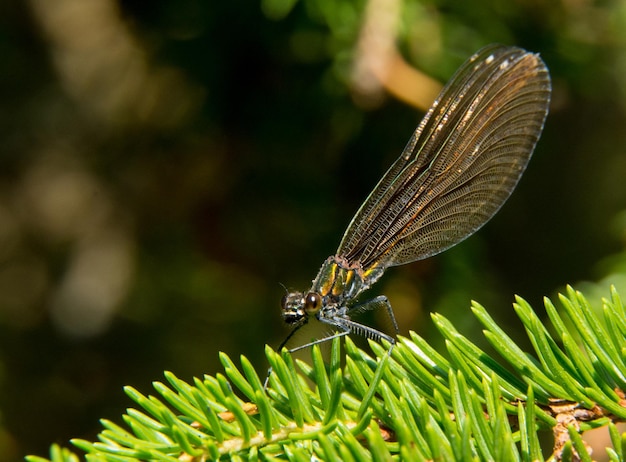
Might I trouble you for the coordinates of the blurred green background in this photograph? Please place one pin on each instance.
(166, 165)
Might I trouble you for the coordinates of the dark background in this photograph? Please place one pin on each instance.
(166, 165)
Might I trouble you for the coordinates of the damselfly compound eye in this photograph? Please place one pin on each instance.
(312, 302)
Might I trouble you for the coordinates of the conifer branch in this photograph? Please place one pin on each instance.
(409, 402)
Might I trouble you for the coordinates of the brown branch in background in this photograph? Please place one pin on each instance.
(379, 67)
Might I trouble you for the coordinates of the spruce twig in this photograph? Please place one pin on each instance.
(414, 404)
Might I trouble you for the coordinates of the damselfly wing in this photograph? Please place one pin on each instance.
(459, 167)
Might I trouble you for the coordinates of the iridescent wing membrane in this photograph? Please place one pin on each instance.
(461, 164)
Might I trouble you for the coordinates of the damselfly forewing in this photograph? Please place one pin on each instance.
(461, 164)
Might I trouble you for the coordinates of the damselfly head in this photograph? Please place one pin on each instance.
(297, 306)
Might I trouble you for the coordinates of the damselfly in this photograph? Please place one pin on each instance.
(461, 164)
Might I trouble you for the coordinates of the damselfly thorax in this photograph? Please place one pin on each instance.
(331, 300)
(336, 284)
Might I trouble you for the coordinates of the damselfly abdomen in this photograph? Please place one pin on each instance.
(459, 167)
